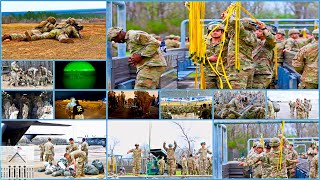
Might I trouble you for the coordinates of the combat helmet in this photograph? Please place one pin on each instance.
(113, 32)
(170, 145)
(281, 31)
(274, 142)
(249, 23)
(316, 32)
(212, 25)
(259, 145)
(293, 31)
(203, 143)
(51, 20)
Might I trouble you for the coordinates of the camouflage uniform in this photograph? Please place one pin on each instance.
(280, 47)
(61, 32)
(136, 160)
(171, 43)
(243, 78)
(25, 111)
(311, 153)
(300, 111)
(72, 147)
(213, 49)
(41, 146)
(203, 161)
(153, 64)
(191, 164)
(274, 157)
(256, 167)
(314, 167)
(184, 162)
(161, 164)
(44, 26)
(292, 155)
(48, 152)
(80, 157)
(15, 70)
(306, 63)
(292, 107)
(209, 166)
(307, 107)
(84, 148)
(271, 114)
(171, 159)
(263, 61)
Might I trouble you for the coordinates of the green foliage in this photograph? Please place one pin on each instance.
(274, 15)
(157, 27)
(133, 26)
(38, 16)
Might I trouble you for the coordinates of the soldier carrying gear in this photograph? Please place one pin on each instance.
(249, 23)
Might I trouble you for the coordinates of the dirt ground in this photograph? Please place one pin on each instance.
(95, 152)
(92, 46)
(91, 110)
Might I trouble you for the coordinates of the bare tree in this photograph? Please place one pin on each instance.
(186, 136)
(113, 142)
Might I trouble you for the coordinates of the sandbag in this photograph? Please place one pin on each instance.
(42, 169)
(48, 171)
(276, 106)
(57, 173)
(63, 161)
(67, 173)
(90, 170)
(96, 163)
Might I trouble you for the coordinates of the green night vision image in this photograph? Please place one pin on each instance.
(79, 75)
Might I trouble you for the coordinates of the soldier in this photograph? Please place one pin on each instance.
(170, 156)
(213, 50)
(78, 111)
(203, 151)
(300, 109)
(196, 165)
(43, 75)
(311, 153)
(136, 160)
(314, 173)
(61, 32)
(292, 105)
(72, 146)
(146, 56)
(243, 78)
(161, 164)
(281, 39)
(191, 164)
(236, 104)
(25, 111)
(306, 63)
(15, 74)
(292, 42)
(263, 57)
(69, 108)
(12, 109)
(255, 162)
(292, 155)
(210, 165)
(77, 158)
(41, 146)
(274, 158)
(184, 163)
(271, 114)
(307, 107)
(205, 113)
(48, 151)
(171, 42)
(44, 26)
(122, 99)
(84, 148)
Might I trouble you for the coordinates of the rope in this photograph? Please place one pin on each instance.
(262, 141)
(279, 167)
(275, 57)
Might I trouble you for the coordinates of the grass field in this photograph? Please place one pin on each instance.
(92, 46)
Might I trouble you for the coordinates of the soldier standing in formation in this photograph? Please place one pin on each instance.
(314, 173)
(203, 151)
(85, 148)
(41, 146)
(161, 164)
(49, 151)
(136, 159)
(171, 157)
